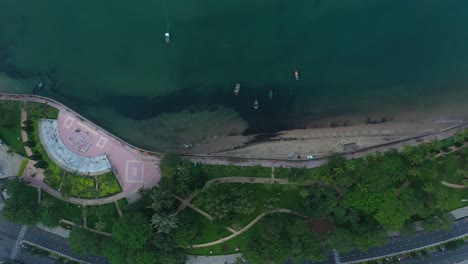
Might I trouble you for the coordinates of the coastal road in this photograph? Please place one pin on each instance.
(59, 244)
(9, 233)
(437, 257)
(402, 243)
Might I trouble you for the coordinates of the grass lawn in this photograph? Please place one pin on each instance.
(287, 196)
(108, 185)
(241, 241)
(209, 231)
(448, 168)
(67, 211)
(40, 110)
(106, 213)
(10, 125)
(23, 167)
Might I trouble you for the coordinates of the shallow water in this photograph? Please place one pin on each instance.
(108, 59)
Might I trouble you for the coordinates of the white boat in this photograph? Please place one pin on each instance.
(256, 104)
(167, 37)
(237, 89)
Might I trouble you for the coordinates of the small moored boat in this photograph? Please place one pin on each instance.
(38, 87)
(296, 74)
(167, 37)
(256, 104)
(270, 94)
(237, 89)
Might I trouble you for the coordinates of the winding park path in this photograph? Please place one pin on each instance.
(247, 227)
(136, 168)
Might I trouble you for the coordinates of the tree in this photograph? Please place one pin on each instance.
(83, 242)
(392, 213)
(435, 145)
(438, 222)
(162, 202)
(224, 203)
(458, 139)
(304, 244)
(41, 164)
(21, 207)
(321, 201)
(186, 231)
(132, 231)
(49, 218)
(454, 245)
(116, 252)
(164, 224)
(428, 187)
(271, 246)
(179, 175)
(342, 240)
(270, 204)
(100, 225)
(146, 257)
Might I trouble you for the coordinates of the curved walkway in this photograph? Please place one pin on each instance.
(247, 227)
(132, 166)
(65, 158)
(455, 186)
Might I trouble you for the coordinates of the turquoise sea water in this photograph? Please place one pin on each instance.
(108, 59)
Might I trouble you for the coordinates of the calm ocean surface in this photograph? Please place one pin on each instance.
(108, 59)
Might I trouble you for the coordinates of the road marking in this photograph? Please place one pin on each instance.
(16, 249)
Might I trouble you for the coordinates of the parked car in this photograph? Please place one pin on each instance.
(310, 157)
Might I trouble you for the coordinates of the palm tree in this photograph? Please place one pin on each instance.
(47, 203)
(408, 150)
(416, 159)
(458, 137)
(465, 134)
(428, 187)
(461, 173)
(414, 172)
(442, 197)
(164, 224)
(435, 145)
(350, 166)
(100, 225)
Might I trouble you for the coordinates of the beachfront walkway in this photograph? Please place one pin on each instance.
(136, 168)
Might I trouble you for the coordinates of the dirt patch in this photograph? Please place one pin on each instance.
(320, 226)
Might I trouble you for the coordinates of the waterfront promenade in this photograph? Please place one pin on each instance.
(136, 168)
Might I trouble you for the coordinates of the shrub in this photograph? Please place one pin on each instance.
(41, 164)
(30, 143)
(36, 157)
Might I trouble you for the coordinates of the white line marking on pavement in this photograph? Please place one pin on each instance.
(16, 249)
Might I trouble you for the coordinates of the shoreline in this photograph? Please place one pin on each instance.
(223, 149)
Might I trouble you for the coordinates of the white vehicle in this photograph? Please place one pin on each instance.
(310, 157)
